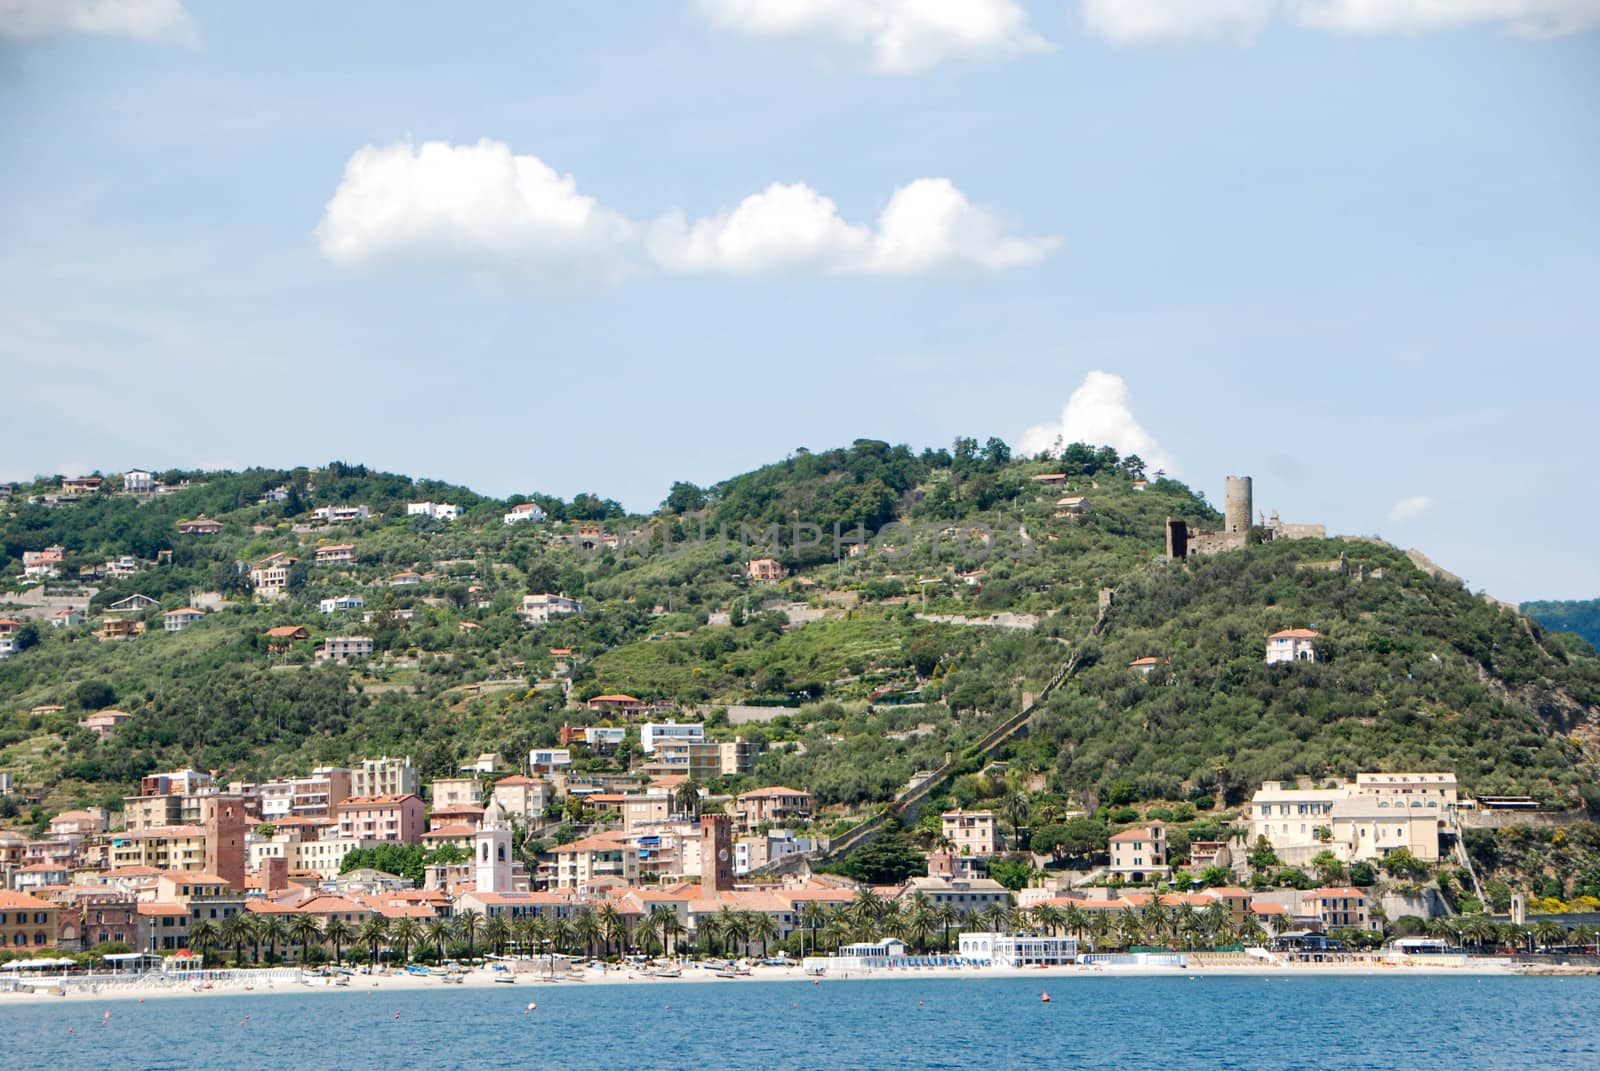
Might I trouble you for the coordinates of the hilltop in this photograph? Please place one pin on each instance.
(978, 578)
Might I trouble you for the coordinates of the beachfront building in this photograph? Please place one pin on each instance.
(964, 894)
(1335, 908)
(1018, 949)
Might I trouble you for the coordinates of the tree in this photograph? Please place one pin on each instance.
(1330, 868)
(94, 695)
(1403, 864)
(469, 924)
(203, 938)
(686, 799)
(1073, 839)
(374, 933)
(1013, 871)
(1017, 807)
(305, 931)
(236, 932)
(336, 931)
(272, 930)
(1262, 857)
(762, 927)
(889, 860)
(405, 933)
(437, 932)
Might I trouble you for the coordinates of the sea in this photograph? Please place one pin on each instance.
(1260, 1023)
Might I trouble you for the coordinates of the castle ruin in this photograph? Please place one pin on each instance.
(1238, 503)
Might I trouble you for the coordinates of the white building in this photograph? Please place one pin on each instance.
(651, 733)
(385, 777)
(178, 620)
(1291, 645)
(539, 609)
(342, 648)
(549, 758)
(1356, 821)
(604, 737)
(341, 602)
(341, 514)
(1018, 949)
(439, 511)
(525, 513)
(139, 482)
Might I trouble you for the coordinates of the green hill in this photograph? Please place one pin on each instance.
(976, 589)
(1579, 617)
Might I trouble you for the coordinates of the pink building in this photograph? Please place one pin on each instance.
(394, 818)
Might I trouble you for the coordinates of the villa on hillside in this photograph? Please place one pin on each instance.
(1291, 645)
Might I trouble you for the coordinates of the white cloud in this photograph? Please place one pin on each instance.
(1532, 18)
(475, 206)
(143, 19)
(1410, 509)
(897, 36)
(1139, 21)
(784, 226)
(484, 209)
(927, 226)
(1098, 414)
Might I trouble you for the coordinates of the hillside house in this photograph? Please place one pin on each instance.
(104, 722)
(765, 570)
(770, 806)
(439, 511)
(82, 485)
(539, 609)
(139, 482)
(282, 638)
(43, 563)
(1140, 854)
(201, 525)
(133, 604)
(67, 617)
(341, 514)
(1072, 506)
(180, 619)
(1144, 665)
(336, 554)
(524, 513)
(344, 648)
(617, 704)
(1291, 645)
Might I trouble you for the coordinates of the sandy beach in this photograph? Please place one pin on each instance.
(229, 984)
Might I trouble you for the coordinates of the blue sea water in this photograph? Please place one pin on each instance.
(1255, 1023)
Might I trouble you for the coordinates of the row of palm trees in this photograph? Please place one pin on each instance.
(1480, 932)
(922, 923)
(918, 921)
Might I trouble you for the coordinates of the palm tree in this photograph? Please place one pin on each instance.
(1582, 934)
(1549, 932)
(497, 932)
(1047, 918)
(468, 925)
(1074, 920)
(1129, 929)
(608, 923)
(865, 911)
(203, 937)
(586, 928)
(813, 916)
(404, 934)
(686, 799)
(271, 929)
(1016, 806)
(733, 928)
(438, 931)
(1477, 929)
(374, 933)
(336, 931)
(525, 931)
(238, 931)
(994, 917)
(920, 921)
(763, 927)
(1218, 922)
(304, 931)
(1251, 932)
(671, 930)
(947, 916)
(563, 934)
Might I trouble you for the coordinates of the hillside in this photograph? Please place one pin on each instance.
(877, 659)
(1579, 617)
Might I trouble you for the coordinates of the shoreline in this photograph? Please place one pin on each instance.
(533, 982)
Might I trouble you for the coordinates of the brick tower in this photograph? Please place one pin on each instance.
(225, 824)
(716, 854)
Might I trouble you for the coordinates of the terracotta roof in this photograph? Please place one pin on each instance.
(285, 630)
(515, 779)
(368, 801)
(1265, 907)
(162, 907)
(1331, 892)
(616, 699)
(773, 791)
(1295, 634)
(1147, 660)
(600, 842)
(460, 830)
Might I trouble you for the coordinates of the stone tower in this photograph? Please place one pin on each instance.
(1236, 504)
(716, 854)
(224, 820)
(491, 852)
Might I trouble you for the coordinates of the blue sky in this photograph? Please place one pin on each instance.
(1347, 246)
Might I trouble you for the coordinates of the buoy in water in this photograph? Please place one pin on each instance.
(1044, 998)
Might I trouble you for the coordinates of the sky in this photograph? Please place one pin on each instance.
(1348, 247)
